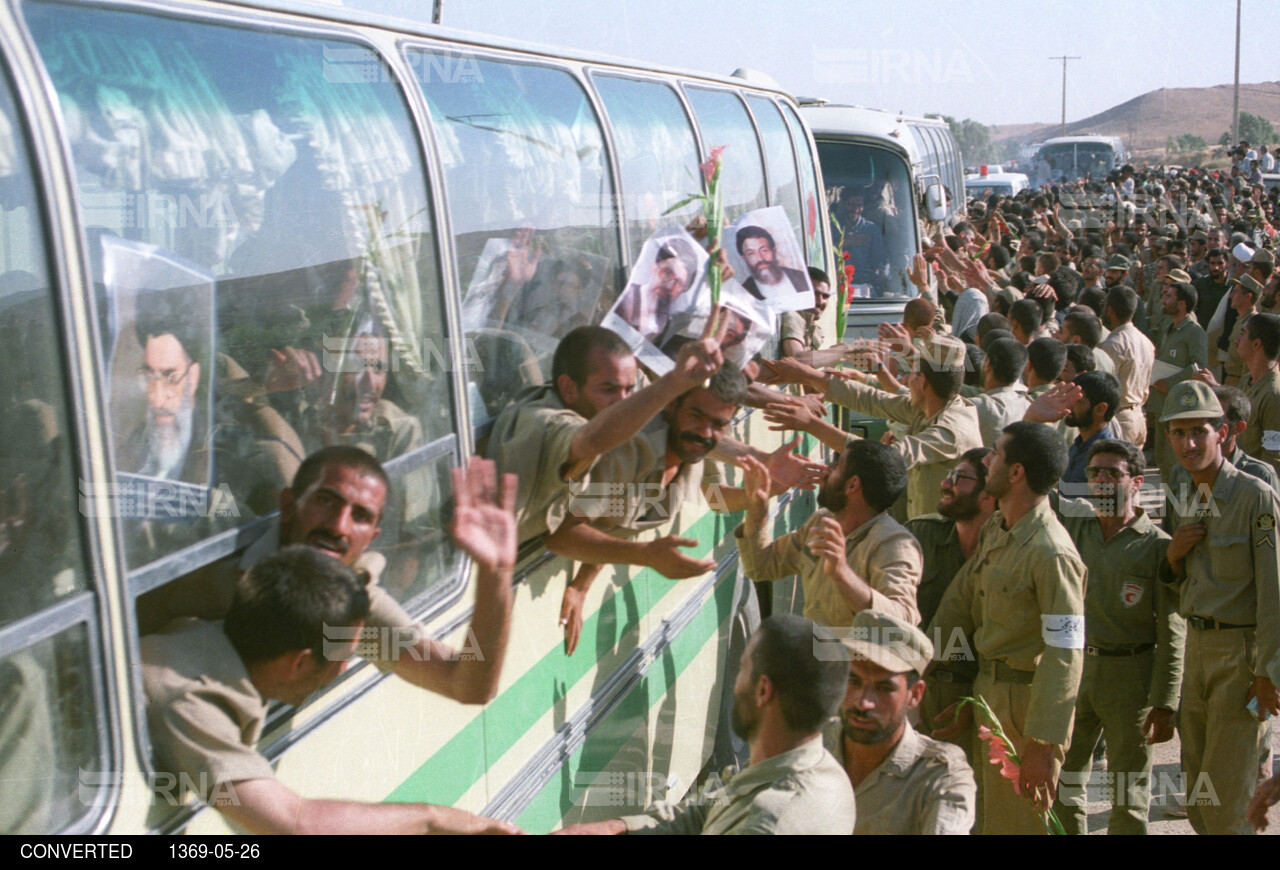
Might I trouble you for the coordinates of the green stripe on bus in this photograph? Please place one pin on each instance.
(459, 764)
(604, 743)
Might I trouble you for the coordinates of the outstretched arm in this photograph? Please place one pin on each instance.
(484, 527)
(267, 806)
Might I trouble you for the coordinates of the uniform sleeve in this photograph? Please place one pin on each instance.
(763, 561)
(687, 817)
(195, 738)
(1059, 588)
(895, 576)
(1266, 567)
(535, 447)
(1166, 668)
(934, 444)
(1263, 429)
(951, 802)
(869, 400)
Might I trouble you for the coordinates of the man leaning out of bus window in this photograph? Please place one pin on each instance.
(643, 484)
(294, 622)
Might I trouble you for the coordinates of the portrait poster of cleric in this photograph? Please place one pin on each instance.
(666, 286)
(159, 373)
(768, 260)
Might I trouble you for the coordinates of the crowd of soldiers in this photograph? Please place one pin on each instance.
(999, 542)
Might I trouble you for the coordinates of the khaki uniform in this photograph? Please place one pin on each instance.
(1022, 585)
(531, 439)
(924, 786)
(1181, 345)
(950, 680)
(1261, 438)
(998, 408)
(803, 326)
(1133, 662)
(1233, 578)
(203, 712)
(1233, 367)
(880, 551)
(803, 791)
(1133, 355)
(932, 444)
(626, 484)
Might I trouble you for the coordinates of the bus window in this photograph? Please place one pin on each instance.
(656, 151)
(809, 185)
(531, 201)
(723, 121)
(869, 192)
(784, 190)
(51, 733)
(265, 269)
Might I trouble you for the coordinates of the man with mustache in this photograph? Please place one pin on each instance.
(851, 555)
(335, 505)
(903, 781)
(643, 484)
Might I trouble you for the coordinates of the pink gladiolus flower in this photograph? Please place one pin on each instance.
(713, 163)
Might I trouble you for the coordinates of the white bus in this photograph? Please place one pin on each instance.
(1068, 158)
(885, 176)
(306, 180)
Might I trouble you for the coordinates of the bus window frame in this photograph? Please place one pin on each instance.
(686, 84)
(453, 277)
(48, 161)
(424, 608)
(590, 71)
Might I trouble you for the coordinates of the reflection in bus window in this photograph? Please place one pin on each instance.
(809, 184)
(784, 190)
(656, 152)
(47, 728)
(258, 219)
(531, 201)
(723, 120)
(870, 196)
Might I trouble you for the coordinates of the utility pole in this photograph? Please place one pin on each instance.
(437, 11)
(1235, 100)
(1064, 58)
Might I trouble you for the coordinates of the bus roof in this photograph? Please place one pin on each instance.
(353, 14)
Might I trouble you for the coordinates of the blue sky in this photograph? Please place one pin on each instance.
(986, 59)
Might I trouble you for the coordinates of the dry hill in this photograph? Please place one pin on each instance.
(1145, 123)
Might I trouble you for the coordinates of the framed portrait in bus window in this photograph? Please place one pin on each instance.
(159, 379)
(666, 284)
(767, 258)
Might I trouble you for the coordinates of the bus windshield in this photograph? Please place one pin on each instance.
(869, 193)
(1071, 160)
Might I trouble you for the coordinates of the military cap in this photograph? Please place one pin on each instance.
(888, 642)
(1249, 282)
(1177, 276)
(1191, 400)
(1263, 256)
(1118, 261)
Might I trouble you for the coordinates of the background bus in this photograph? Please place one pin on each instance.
(981, 185)
(886, 176)
(340, 185)
(1068, 158)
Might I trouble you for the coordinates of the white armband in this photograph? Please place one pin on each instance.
(1064, 631)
